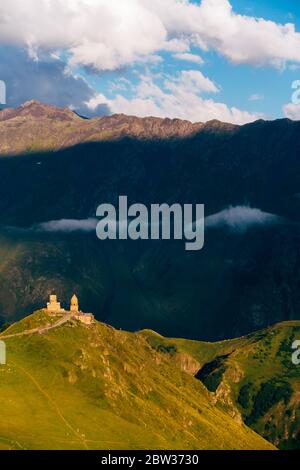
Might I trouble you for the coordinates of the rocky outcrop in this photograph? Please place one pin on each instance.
(186, 363)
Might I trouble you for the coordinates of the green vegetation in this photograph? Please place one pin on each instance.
(160, 344)
(244, 398)
(258, 379)
(38, 319)
(213, 381)
(78, 387)
(270, 393)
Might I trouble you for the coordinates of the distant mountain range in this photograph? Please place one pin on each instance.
(70, 386)
(35, 126)
(57, 166)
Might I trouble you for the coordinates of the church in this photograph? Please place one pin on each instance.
(54, 308)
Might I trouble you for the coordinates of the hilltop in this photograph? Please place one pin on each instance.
(94, 387)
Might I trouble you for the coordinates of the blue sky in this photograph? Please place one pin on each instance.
(232, 60)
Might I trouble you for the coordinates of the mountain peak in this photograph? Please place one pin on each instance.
(35, 110)
(31, 103)
(43, 127)
(216, 125)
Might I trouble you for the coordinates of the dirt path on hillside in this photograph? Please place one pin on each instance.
(54, 405)
(39, 330)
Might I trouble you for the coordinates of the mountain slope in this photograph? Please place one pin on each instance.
(253, 377)
(155, 285)
(35, 126)
(78, 387)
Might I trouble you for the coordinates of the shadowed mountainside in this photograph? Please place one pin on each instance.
(245, 278)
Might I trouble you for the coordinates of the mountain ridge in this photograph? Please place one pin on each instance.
(36, 127)
(39, 127)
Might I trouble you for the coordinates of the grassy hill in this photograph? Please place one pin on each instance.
(78, 387)
(253, 377)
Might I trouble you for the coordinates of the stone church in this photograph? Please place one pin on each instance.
(54, 308)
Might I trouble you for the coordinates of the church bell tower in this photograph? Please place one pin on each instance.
(74, 307)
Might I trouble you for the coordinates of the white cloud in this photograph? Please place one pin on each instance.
(68, 225)
(103, 34)
(178, 97)
(256, 97)
(191, 80)
(109, 34)
(240, 38)
(186, 56)
(77, 225)
(292, 111)
(240, 219)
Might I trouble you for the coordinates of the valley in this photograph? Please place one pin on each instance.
(253, 377)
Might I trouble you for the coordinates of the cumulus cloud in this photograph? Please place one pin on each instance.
(45, 80)
(292, 111)
(68, 225)
(61, 36)
(240, 219)
(178, 97)
(241, 38)
(191, 80)
(103, 34)
(109, 34)
(188, 57)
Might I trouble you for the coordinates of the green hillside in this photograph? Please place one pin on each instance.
(79, 387)
(253, 377)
